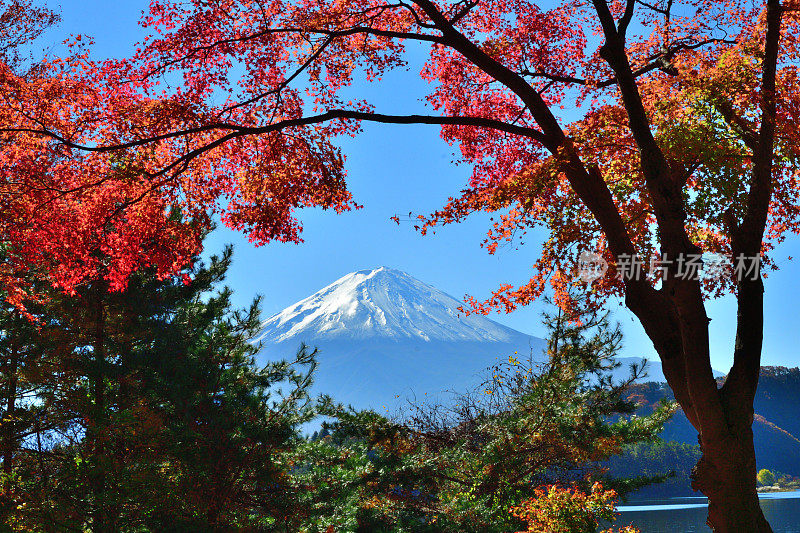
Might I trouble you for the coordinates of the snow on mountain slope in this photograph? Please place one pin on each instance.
(384, 336)
(382, 304)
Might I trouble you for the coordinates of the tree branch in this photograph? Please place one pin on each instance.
(742, 380)
(654, 62)
(238, 130)
(684, 294)
(622, 26)
(737, 124)
(331, 34)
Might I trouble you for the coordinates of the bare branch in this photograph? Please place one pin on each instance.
(624, 22)
(238, 130)
(464, 11)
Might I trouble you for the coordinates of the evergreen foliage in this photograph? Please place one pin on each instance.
(158, 419)
(143, 410)
(462, 466)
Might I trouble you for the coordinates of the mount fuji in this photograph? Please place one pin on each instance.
(385, 337)
(383, 304)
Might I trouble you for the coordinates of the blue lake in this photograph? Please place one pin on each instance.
(688, 515)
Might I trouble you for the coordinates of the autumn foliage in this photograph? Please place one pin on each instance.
(75, 214)
(621, 127)
(264, 89)
(554, 509)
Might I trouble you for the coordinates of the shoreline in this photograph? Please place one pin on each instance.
(775, 488)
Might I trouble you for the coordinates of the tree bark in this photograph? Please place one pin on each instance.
(725, 474)
(723, 417)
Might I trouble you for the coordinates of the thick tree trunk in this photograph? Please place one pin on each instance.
(674, 316)
(676, 322)
(726, 473)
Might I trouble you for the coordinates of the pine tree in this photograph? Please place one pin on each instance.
(165, 421)
(463, 465)
(30, 367)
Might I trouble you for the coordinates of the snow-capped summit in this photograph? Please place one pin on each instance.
(384, 335)
(385, 304)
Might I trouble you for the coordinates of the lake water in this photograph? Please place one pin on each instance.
(673, 515)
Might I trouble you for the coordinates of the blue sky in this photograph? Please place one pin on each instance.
(397, 169)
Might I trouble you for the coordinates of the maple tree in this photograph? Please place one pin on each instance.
(563, 510)
(685, 144)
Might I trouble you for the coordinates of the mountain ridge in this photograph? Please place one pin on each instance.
(381, 331)
(384, 336)
(382, 303)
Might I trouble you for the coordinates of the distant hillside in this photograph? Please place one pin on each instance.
(776, 424)
(778, 397)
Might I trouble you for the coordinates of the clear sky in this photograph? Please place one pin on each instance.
(397, 169)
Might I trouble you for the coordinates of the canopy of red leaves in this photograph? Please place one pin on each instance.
(233, 107)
